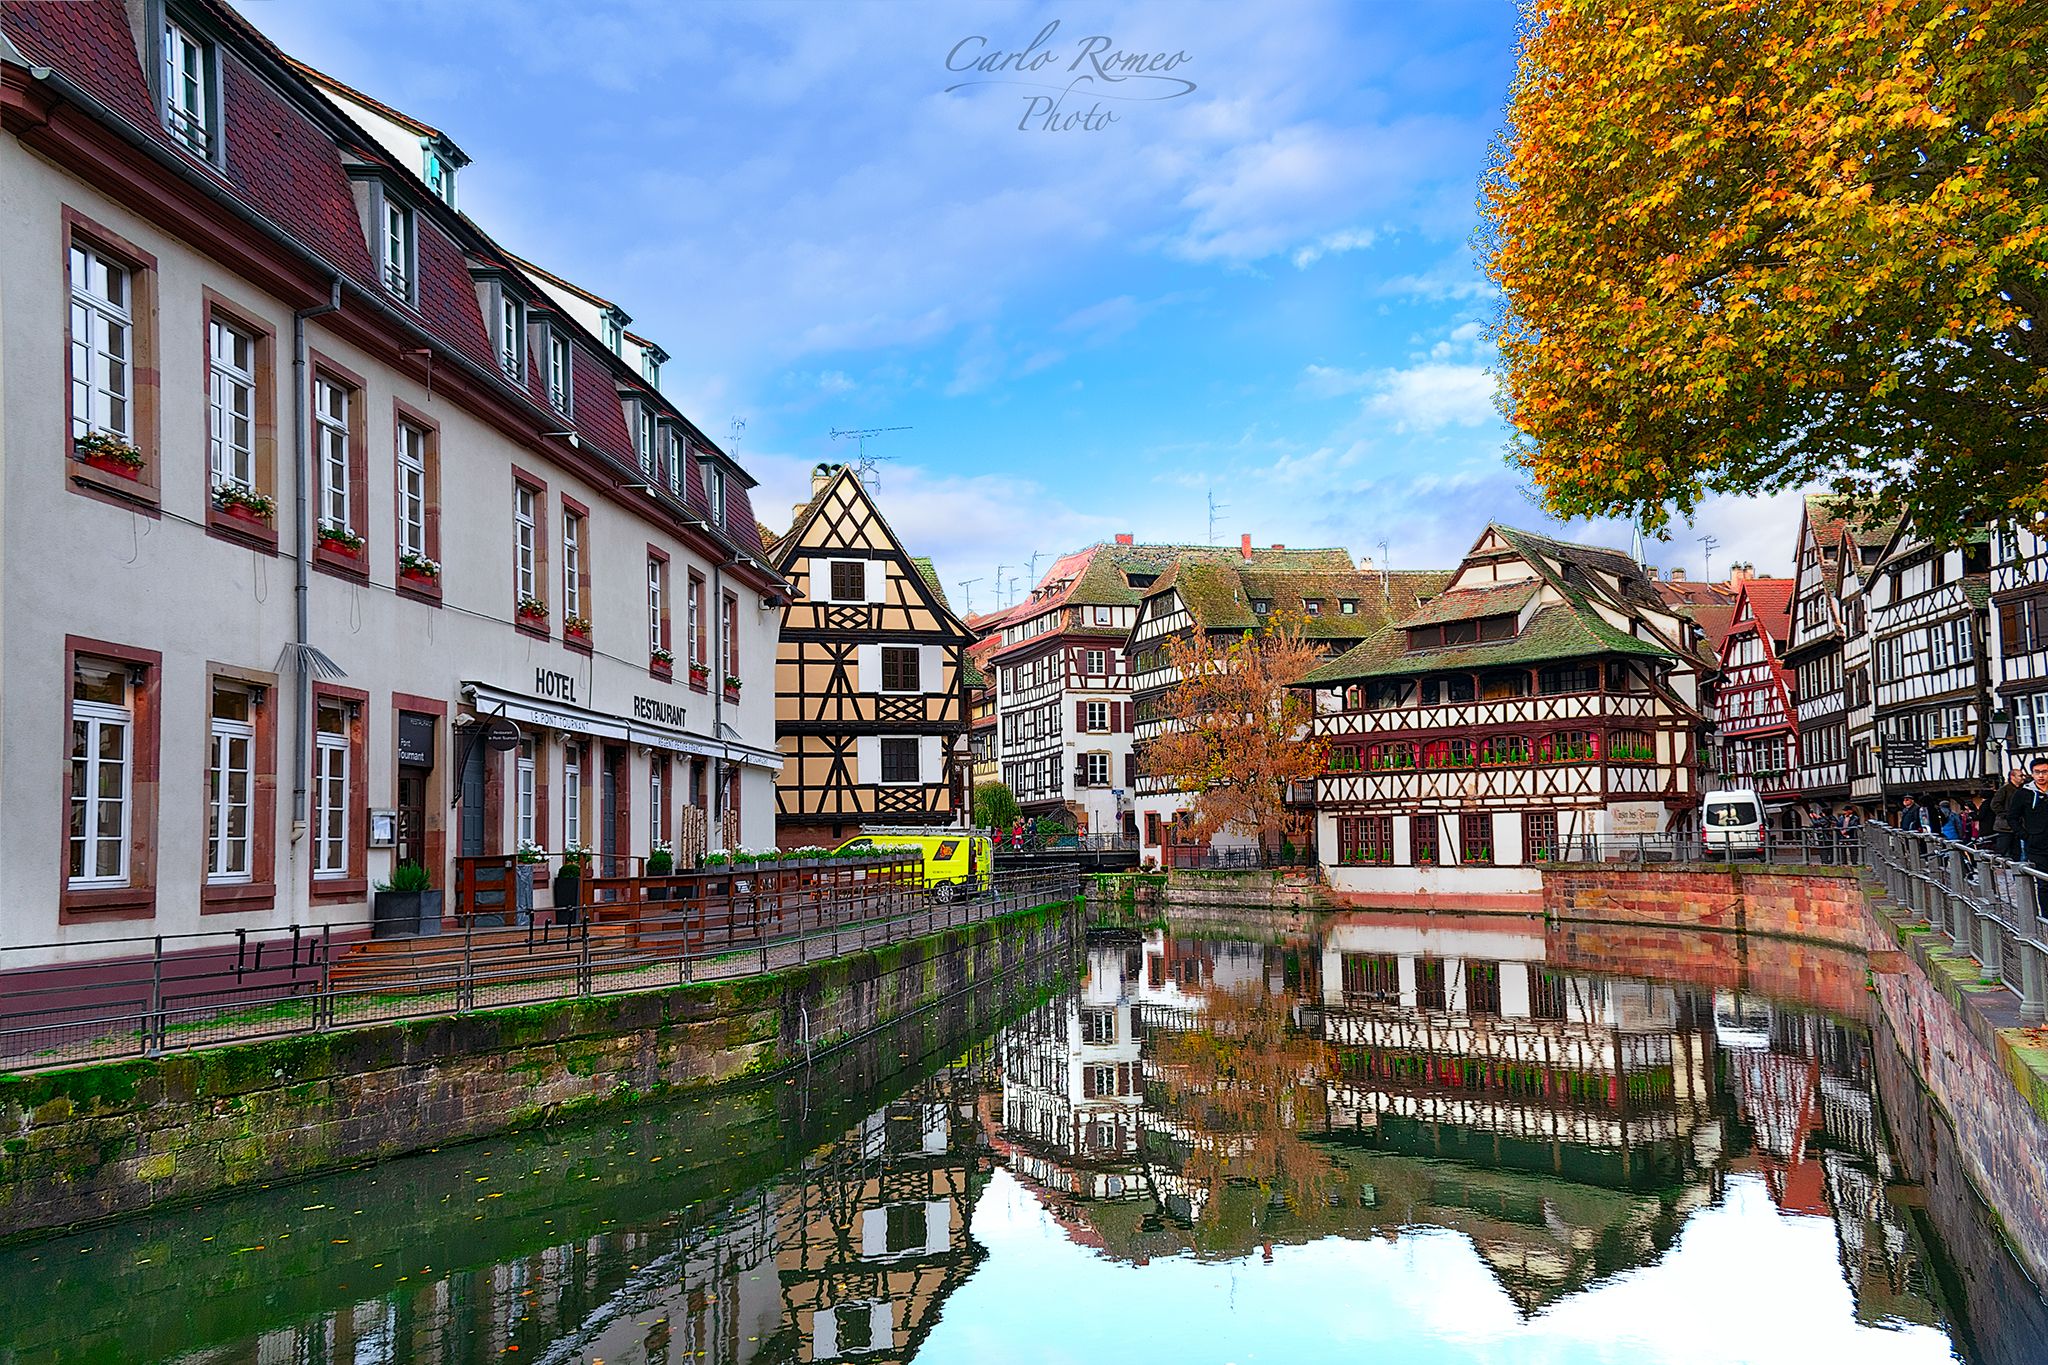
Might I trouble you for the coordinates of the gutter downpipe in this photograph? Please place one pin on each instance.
(302, 555)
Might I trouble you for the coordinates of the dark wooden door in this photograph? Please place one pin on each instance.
(412, 817)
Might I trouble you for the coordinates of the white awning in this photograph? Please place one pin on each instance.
(496, 701)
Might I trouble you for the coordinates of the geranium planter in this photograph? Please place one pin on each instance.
(248, 514)
(341, 547)
(109, 465)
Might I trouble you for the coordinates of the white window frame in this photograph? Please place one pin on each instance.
(572, 564)
(91, 722)
(102, 344)
(714, 491)
(696, 613)
(397, 247)
(882, 671)
(561, 373)
(614, 333)
(1096, 663)
(524, 786)
(644, 437)
(657, 804)
(331, 400)
(572, 796)
(511, 337)
(223, 865)
(882, 778)
(1089, 764)
(231, 390)
(655, 594)
(189, 81)
(650, 368)
(525, 543)
(412, 489)
(672, 461)
(331, 799)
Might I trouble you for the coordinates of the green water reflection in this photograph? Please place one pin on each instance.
(1391, 1139)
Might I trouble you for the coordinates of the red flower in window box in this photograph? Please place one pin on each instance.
(417, 568)
(660, 662)
(576, 628)
(532, 612)
(105, 451)
(700, 675)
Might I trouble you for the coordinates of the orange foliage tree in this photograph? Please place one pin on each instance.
(1235, 731)
(1745, 245)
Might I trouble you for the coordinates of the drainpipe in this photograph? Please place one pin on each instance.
(302, 556)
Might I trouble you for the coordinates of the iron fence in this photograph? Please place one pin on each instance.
(1985, 905)
(174, 992)
(1829, 847)
(1242, 857)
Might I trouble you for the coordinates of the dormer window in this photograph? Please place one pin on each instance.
(643, 440)
(714, 489)
(651, 357)
(512, 337)
(396, 252)
(672, 457)
(438, 169)
(188, 90)
(560, 372)
(1262, 605)
(613, 329)
(1312, 605)
(1348, 606)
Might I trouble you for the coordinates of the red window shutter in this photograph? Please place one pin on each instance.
(1087, 1082)
(1130, 770)
(1123, 1078)
(1080, 716)
(1119, 716)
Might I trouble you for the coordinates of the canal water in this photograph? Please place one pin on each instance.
(1384, 1138)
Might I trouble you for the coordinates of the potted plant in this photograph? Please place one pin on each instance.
(700, 676)
(407, 904)
(533, 612)
(106, 451)
(418, 568)
(732, 684)
(530, 856)
(661, 660)
(243, 502)
(576, 628)
(569, 883)
(339, 538)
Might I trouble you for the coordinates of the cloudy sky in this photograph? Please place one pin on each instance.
(1260, 290)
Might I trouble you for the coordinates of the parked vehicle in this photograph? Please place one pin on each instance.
(1732, 824)
(955, 860)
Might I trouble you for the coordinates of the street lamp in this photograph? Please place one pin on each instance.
(2001, 725)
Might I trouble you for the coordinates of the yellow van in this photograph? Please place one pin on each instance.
(956, 861)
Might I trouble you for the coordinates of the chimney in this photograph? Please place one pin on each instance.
(1244, 546)
(821, 474)
(1124, 538)
(1365, 563)
(1740, 573)
(1678, 575)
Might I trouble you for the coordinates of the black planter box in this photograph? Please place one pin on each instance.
(405, 912)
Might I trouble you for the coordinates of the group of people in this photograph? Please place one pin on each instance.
(2012, 821)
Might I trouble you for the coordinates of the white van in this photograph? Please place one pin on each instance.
(1732, 823)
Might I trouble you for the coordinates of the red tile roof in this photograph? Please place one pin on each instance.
(1770, 601)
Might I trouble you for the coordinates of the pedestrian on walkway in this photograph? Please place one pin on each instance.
(2030, 822)
(1911, 817)
(2005, 839)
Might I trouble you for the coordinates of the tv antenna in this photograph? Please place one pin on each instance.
(1708, 544)
(739, 431)
(1214, 508)
(1386, 582)
(1001, 569)
(1036, 555)
(966, 586)
(864, 463)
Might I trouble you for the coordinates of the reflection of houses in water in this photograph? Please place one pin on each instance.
(873, 1233)
(1805, 1087)
(1449, 1034)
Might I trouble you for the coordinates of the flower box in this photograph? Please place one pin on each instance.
(576, 628)
(700, 676)
(340, 539)
(418, 568)
(242, 512)
(109, 453)
(533, 612)
(412, 574)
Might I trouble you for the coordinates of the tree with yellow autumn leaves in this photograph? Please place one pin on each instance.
(1235, 736)
(1745, 245)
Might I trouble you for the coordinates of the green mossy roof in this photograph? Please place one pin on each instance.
(1219, 596)
(1554, 633)
(1470, 604)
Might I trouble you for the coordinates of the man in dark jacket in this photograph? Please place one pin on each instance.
(2029, 815)
(1912, 817)
(2005, 840)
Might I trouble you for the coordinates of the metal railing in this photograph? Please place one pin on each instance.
(1243, 857)
(1986, 906)
(175, 992)
(1829, 847)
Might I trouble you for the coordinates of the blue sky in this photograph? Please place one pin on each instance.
(1262, 289)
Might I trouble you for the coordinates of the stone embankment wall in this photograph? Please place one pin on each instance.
(1821, 904)
(91, 1142)
(1136, 898)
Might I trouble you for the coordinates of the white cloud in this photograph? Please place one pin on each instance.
(1330, 244)
(1330, 381)
(1433, 395)
(1452, 279)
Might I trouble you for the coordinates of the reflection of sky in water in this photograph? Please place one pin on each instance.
(1745, 1283)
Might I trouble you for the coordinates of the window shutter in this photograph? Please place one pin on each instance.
(1080, 716)
(1123, 1078)
(1131, 773)
(1087, 1082)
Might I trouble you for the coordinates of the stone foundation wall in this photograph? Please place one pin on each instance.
(1805, 974)
(1293, 888)
(91, 1142)
(1824, 905)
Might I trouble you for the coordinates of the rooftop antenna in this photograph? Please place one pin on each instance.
(1013, 589)
(1036, 555)
(739, 431)
(1001, 569)
(967, 594)
(1386, 584)
(1708, 544)
(1214, 508)
(864, 463)
(1636, 545)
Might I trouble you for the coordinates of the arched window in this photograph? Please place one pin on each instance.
(1568, 746)
(1631, 746)
(1391, 757)
(1499, 751)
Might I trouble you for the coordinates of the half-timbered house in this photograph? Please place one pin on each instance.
(1547, 697)
(2019, 605)
(870, 704)
(1222, 599)
(1932, 690)
(1063, 681)
(1836, 548)
(1754, 714)
(1862, 546)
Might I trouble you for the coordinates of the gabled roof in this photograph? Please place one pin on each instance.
(1470, 604)
(1770, 602)
(789, 546)
(1555, 633)
(1219, 595)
